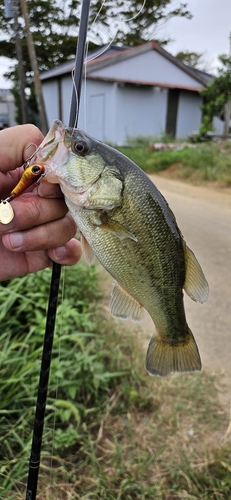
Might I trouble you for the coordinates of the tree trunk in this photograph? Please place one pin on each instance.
(227, 118)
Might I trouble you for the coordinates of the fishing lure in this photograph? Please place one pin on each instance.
(30, 175)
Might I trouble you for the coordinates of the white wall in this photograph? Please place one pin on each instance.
(218, 126)
(111, 112)
(98, 110)
(189, 113)
(139, 111)
(66, 95)
(134, 112)
(148, 67)
(50, 95)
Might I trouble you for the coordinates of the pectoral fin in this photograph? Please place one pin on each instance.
(112, 226)
(195, 285)
(123, 306)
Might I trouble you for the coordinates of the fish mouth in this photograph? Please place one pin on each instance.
(54, 154)
(51, 141)
(52, 151)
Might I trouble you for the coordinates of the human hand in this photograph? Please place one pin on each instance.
(42, 231)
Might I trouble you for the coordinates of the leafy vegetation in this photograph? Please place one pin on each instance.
(54, 26)
(216, 96)
(208, 161)
(111, 432)
(194, 59)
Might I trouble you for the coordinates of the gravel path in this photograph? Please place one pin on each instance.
(204, 217)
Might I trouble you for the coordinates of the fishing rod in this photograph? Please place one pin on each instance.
(34, 461)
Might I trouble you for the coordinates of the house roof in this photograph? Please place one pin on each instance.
(67, 67)
(113, 54)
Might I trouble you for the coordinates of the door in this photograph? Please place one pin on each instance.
(171, 121)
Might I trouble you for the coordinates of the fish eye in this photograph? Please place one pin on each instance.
(80, 147)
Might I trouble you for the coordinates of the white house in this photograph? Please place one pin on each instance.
(7, 109)
(134, 91)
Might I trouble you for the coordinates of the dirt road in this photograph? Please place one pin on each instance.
(204, 217)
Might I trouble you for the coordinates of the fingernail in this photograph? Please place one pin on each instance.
(59, 252)
(16, 240)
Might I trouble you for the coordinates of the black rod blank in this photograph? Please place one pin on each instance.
(79, 62)
(43, 385)
(34, 461)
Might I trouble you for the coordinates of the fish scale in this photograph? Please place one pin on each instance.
(126, 222)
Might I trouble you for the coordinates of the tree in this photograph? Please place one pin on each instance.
(54, 25)
(194, 59)
(217, 97)
(50, 26)
(137, 21)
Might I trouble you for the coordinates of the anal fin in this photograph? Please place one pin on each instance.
(123, 306)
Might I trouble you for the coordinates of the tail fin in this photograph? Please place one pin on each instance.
(163, 358)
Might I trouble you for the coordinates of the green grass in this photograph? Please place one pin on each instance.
(111, 432)
(205, 162)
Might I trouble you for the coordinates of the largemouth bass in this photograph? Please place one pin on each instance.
(125, 221)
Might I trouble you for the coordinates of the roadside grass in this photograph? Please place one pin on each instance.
(210, 161)
(111, 431)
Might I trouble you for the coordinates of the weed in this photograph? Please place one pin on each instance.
(205, 162)
(111, 432)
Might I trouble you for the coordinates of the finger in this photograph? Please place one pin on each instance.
(48, 190)
(67, 255)
(9, 180)
(14, 144)
(31, 210)
(22, 263)
(51, 235)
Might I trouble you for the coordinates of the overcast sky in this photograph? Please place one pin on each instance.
(207, 32)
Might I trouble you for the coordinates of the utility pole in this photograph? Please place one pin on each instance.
(228, 104)
(34, 65)
(21, 74)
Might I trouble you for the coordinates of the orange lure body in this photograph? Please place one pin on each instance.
(29, 176)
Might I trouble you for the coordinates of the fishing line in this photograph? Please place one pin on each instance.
(34, 461)
(121, 21)
(87, 60)
(77, 98)
(102, 51)
(59, 334)
(96, 56)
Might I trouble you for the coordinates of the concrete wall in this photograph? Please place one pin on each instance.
(51, 100)
(139, 111)
(148, 67)
(189, 113)
(218, 126)
(112, 111)
(7, 108)
(98, 110)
